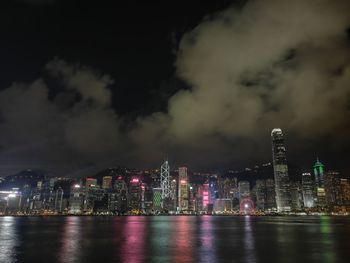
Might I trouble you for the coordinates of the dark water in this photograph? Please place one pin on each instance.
(174, 239)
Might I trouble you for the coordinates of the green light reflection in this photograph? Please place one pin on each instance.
(328, 254)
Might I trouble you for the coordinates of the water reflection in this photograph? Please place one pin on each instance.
(207, 252)
(249, 249)
(132, 248)
(327, 242)
(71, 240)
(8, 239)
(182, 239)
(160, 237)
(174, 239)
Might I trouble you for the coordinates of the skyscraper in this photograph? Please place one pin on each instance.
(135, 195)
(319, 181)
(183, 189)
(308, 190)
(283, 199)
(260, 192)
(319, 173)
(107, 182)
(244, 189)
(270, 195)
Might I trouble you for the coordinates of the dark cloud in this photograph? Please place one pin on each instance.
(41, 130)
(270, 64)
(273, 63)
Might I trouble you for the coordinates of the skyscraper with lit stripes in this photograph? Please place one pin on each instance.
(280, 167)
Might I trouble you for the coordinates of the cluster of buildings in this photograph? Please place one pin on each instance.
(164, 191)
(319, 191)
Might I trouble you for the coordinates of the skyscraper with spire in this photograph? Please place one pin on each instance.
(280, 167)
(319, 173)
(319, 182)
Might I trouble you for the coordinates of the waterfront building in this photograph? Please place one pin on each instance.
(332, 188)
(122, 195)
(244, 189)
(59, 200)
(223, 205)
(183, 189)
(107, 182)
(260, 193)
(345, 192)
(319, 171)
(173, 195)
(135, 195)
(113, 199)
(203, 197)
(270, 204)
(157, 199)
(213, 188)
(308, 190)
(147, 199)
(280, 167)
(93, 193)
(296, 196)
(91, 182)
(76, 199)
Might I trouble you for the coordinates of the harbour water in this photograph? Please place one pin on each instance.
(136, 239)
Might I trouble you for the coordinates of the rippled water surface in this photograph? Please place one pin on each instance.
(174, 239)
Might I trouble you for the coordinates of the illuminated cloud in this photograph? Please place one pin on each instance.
(273, 63)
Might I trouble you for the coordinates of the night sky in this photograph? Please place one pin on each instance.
(86, 85)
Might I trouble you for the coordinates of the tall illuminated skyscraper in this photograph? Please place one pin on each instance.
(183, 189)
(319, 181)
(319, 173)
(283, 198)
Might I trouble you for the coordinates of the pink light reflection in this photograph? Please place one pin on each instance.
(133, 248)
(70, 249)
(183, 240)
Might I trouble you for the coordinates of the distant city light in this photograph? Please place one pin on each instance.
(76, 186)
(12, 195)
(135, 180)
(183, 181)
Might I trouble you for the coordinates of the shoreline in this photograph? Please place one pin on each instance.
(241, 215)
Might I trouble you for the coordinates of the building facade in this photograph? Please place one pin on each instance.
(280, 167)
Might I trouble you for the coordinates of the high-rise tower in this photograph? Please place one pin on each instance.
(283, 199)
(319, 173)
(183, 189)
(319, 182)
(165, 182)
(308, 190)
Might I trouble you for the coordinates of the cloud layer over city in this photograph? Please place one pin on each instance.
(266, 64)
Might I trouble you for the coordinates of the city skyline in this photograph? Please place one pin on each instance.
(175, 131)
(119, 191)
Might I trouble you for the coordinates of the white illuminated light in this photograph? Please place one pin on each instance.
(76, 186)
(12, 195)
(246, 205)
